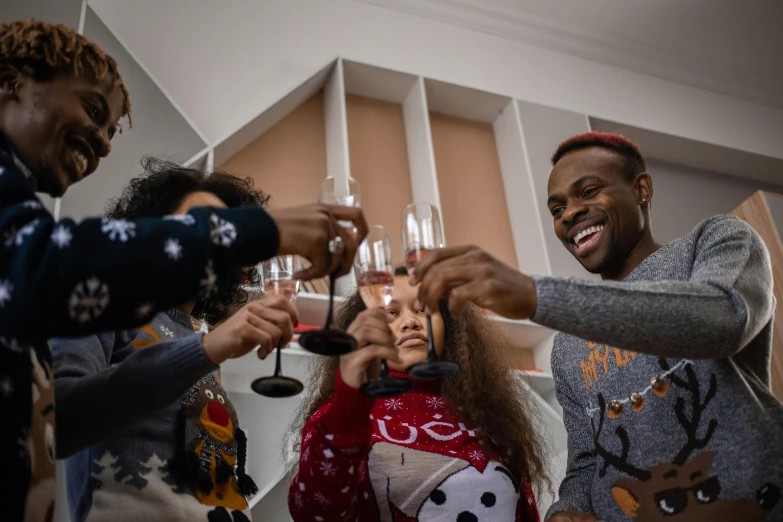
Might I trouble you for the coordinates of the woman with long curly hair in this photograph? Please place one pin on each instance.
(142, 410)
(462, 449)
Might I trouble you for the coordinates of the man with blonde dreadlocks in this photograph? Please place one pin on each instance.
(61, 98)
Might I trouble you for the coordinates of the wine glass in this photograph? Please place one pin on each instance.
(421, 232)
(375, 278)
(277, 274)
(343, 191)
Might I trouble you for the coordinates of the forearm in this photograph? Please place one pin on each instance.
(117, 396)
(335, 442)
(724, 304)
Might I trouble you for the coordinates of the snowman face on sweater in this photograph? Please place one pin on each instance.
(429, 486)
(472, 496)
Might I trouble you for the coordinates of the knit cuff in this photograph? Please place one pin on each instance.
(257, 235)
(348, 416)
(552, 309)
(188, 361)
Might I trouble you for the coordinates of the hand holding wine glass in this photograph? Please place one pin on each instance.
(422, 233)
(344, 191)
(278, 277)
(468, 274)
(375, 278)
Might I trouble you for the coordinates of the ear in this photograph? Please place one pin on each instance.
(622, 491)
(11, 80)
(643, 188)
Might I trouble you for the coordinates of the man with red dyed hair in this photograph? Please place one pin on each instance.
(662, 368)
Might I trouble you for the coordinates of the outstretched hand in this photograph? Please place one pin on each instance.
(307, 230)
(469, 274)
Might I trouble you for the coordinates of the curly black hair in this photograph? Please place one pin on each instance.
(162, 188)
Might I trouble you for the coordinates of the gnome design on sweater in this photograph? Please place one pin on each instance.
(453, 488)
(212, 444)
(40, 499)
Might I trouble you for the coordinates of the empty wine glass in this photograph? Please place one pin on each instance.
(343, 191)
(421, 233)
(375, 278)
(277, 274)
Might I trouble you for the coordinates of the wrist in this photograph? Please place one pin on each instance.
(211, 349)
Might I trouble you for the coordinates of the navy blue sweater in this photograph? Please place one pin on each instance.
(66, 279)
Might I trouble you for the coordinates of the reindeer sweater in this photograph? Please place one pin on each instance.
(63, 278)
(665, 386)
(402, 459)
(120, 399)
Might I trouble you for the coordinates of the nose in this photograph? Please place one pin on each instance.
(100, 142)
(217, 413)
(410, 323)
(572, 213)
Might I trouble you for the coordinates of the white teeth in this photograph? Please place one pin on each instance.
(586, 232)
(81, 162)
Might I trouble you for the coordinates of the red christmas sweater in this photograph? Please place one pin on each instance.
(402, 459)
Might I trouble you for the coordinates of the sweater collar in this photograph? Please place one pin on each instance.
(427, 387)
(180, 317)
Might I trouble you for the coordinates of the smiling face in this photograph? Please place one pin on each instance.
(597, 211)
(410, 326)
(60, 128)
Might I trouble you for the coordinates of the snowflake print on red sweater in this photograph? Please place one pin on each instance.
(405, 460)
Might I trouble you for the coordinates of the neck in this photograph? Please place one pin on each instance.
(186, 308)
(645, 247)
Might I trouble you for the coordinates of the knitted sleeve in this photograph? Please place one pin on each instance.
(724, 304)
(332, 483)
(89, 388)
(574, 493)
(105, 274)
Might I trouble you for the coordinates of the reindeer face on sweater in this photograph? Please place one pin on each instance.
(213, 411)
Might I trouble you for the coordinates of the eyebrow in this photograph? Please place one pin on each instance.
(576, 183)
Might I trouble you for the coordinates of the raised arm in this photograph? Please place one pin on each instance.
(724, 304)
(95, 275)
(89, 387)
(68, 279)
(332, 460)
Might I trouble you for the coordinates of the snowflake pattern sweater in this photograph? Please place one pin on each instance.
(402, 459)
(68, 279)
(129, 387)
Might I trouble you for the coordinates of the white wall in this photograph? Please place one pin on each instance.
(685, 196)
(233, 59)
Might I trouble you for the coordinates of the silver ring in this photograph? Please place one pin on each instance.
(336, 246)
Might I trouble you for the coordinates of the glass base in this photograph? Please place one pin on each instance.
(434, 369)
(382, 387)
(277, 386)
(327, 342)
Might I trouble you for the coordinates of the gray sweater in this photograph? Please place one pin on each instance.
(120, 398)
(664, 383)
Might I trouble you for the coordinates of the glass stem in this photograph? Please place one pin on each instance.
(278, 366)
(431, 354)
(331, 303)
(384, 369)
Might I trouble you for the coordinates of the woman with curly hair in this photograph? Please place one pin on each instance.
(462, 449)
(142, 410)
